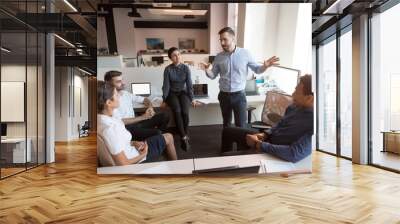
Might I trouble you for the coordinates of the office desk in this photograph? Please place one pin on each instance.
(15, 148)
(209, 112)
(211, 100)
(391, 141)
(186, 166)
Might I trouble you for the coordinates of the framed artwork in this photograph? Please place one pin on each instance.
(155, 44)
(186, 43)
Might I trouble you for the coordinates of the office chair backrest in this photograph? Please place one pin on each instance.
(275, 103)
(103, 154)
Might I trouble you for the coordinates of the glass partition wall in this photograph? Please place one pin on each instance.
(22, 77)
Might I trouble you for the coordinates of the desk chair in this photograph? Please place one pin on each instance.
(84, 130)
(274, 108)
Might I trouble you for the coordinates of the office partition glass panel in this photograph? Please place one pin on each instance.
(327, 96)
(41, 79)
(346, 94)
(32, 84)
(31, 97)
(14, 146)
(385, 89)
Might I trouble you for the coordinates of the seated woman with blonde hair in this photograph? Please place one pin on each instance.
(118, 140)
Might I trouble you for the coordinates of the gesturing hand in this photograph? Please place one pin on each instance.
(271, 62)
(204, 66)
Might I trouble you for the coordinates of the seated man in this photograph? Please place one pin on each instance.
(290, 138)
(141, 127)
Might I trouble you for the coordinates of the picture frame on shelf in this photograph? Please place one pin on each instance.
(186, 43)
(155, 44)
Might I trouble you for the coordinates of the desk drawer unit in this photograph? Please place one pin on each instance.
(391, 142)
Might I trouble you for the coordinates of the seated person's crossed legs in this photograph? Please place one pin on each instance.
(156, 125)
(290, 138)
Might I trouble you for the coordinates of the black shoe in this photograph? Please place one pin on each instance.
(185, 144)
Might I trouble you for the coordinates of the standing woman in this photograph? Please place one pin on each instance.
(178, 93)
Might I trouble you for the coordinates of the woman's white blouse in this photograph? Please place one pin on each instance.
(116, 137)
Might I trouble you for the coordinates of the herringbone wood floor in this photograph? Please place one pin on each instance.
(70, 191)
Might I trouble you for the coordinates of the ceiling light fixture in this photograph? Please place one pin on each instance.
(178, 12)
(86, 72)
(64, 40)
(70, 5)
(337, 7)
(5, 50)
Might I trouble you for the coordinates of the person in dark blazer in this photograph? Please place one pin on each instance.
(178, 94)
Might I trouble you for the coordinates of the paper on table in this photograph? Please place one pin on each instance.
(271, 166)
(204, 101)
(162, 168)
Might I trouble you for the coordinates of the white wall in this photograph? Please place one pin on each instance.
(67, 81)
(283, 30)
(170, 37)
(218, 19)
(124, 32)
(261, 29)
(130, 39)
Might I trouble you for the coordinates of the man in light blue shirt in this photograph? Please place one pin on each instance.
(232, 66)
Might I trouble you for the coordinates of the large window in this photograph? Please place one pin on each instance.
(346, 93)
(335, 94)
(385, 89)
(327, 96)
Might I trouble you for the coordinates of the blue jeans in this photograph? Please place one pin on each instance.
(233, 102)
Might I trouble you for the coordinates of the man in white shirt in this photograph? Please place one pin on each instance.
(141, 127)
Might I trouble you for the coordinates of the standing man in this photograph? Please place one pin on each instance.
(232, 65)
(141, 127)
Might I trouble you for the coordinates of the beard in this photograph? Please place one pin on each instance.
(122, 87)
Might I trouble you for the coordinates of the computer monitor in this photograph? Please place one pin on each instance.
(3, 129)
(200, 90)
(141, 89)
(283, 78)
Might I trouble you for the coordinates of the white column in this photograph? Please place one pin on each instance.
(360, 90)
(50, 99)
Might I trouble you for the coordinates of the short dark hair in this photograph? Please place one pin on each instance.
(105, 91)
(227, 30)
(111, 74)
(306, 80)
(171, 50)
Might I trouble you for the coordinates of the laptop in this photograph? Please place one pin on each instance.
(200, 91)
(141, 89)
